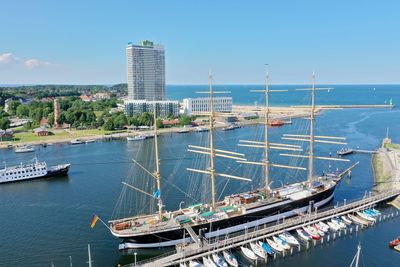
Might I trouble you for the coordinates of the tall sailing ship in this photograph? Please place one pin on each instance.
(236, 212)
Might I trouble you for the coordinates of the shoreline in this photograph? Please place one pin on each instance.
(284, 113)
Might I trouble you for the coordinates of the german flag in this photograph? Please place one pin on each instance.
(94, 221)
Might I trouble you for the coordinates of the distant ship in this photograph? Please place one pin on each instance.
(24, 149)
(236, 212)
(37, 169)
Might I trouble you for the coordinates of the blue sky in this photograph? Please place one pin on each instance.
(83, 42)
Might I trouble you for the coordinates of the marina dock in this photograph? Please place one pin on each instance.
(197, 250)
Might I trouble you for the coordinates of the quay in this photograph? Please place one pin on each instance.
(198, 249)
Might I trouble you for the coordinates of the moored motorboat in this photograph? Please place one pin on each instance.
(345, 151)
(338, 222)
(281, 242)
(266, 248)
(76, 142)
(275, 246)
(194, 263)
(366, 217)
(358, 220)
(136, 138)
(394, 242)
(323, 226)
(248, 253)
(312, 232)
(333, 226)
(289, 239)
(303, 235)
(319, 230)
(184, 130)
(207, 262)
(90, 141)
(258, 250)
(346, 220)
(24, 149)
(218, 260)
(230, 258)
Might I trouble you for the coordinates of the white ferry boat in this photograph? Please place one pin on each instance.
(37, 169)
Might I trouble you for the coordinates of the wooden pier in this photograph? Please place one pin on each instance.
(194, 250)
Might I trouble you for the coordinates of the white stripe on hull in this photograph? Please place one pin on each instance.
(232, 229)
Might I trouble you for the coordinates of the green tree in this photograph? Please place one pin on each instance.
(159, 124)
(185, 120)
(4, 123)
(109, 125)
(23, 111)
(12, 107)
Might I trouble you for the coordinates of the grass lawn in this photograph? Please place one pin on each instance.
(58, 135)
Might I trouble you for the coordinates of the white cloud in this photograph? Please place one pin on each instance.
(7, 58)
(34, 63)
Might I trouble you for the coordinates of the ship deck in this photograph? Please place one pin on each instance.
(231, 206)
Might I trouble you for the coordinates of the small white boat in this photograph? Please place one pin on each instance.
(323, 226)
(194, 263)
(248, 253)
(303, 235)
(276, 247)
(76, 142)
(230, 259)
(333, 226)
(258, 250)
(207, 262)
(366, 217)
(24, 149)
(218, 260)
(346, 220)
(319, 230)
(377, 212)
(136, 138)
(358, 220)
(339, 222)
(266, 247)
(281, 242)
(289, 239)
(201, 129)
(312, 232)
(184, 130)
(90, 141)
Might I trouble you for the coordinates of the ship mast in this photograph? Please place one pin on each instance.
(266, 122)
(212, 151)
(157, 170)
(311, 150)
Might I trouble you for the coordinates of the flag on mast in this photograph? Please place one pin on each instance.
(94, 221)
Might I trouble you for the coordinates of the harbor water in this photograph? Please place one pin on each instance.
(48, 220)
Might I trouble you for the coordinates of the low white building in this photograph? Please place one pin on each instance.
(164, 108)
(193, 106)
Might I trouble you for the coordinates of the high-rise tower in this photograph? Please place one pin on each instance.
(146, 71)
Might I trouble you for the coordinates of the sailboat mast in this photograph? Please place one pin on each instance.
(157, 171)
(311, 150)
(212, 152)
(266, 121)
(89, 257)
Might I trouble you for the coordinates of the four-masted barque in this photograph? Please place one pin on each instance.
(238, 211)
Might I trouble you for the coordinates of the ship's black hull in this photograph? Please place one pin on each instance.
(60, 171)
(288, 208)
